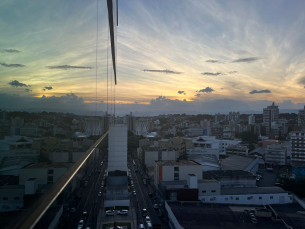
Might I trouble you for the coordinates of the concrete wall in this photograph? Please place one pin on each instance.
(173, 222)
(117, 151)
(205, 189)
(14, 197)
(278, 198)
(168, 172)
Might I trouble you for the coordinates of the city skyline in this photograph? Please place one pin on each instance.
(178, 56)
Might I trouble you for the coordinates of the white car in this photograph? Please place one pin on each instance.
(123, 212)
(134, 193)
(147, 219)
(99, 194)
(109, 212)
(81, 223)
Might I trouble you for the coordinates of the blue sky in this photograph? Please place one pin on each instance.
(220, 55)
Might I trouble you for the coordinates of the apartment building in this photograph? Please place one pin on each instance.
(297, 139)
(275, 155)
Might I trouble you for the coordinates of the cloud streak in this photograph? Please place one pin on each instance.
(66, 67)
(246, 60)
(47, 88)
(206, 90)
(259, 92)
(211, 73)
(16, 83)
(162, 71)
(27, 90)
(181, 92)
(10, 50)
(11, 65)
(213, 61)
(233, 72)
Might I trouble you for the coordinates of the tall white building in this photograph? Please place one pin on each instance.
(251, 119)
(130, 121)
(117, 148)
(301, 118)
(270, 117)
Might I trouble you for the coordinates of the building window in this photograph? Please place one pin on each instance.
(203, 191)
(16, 198)
(213, 191)
(248, 198)
(176, 176)
(260, 198)
(226, 198)
(271, 197)
(50, 179)
(176, 168)
(5, 198)
(237, 198)
(50, 171)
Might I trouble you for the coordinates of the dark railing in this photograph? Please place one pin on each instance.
(32, 215)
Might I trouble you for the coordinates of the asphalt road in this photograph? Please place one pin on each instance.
(142, 200)
(89, 197)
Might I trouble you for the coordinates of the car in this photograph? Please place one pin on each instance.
(99, 194)
(85, 214)
(109, 212)
(122, 212)
(134, 193)
(156, 206)
(150, 194)
(81, 223)
(72, 210)
(253, 217)
(144, 212)
(257, 179)
(149, 226)
(254, 220)
(141, 226)
(147, 219)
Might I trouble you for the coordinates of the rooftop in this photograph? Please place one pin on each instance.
(172, 162)
(225, 173)
(194, 216)
(249, 191)
(49, 165)
(236, 162)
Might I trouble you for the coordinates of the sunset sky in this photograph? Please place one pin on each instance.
(210, 56)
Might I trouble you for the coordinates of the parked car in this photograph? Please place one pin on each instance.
(156, 206)
(254, 220)
(144, 212)
(134, 193)
(150, 194)
(73, 210)
(109, 212)
(147, 219)
(81, 223)
(85, 214)
(99, 194)
(123, 212)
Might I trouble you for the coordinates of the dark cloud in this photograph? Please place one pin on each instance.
(47, 88)
(181, 92)
(162, 71)
(11, 65)
(206, 90)
(16, 83)
(221, 88)
(211, 73)
(247, 60)
(233, 72)
(213, 61)
(261, 91)
(197, 95)
(66, 67)
(28, 90)
(10, 50)
(302, 80)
